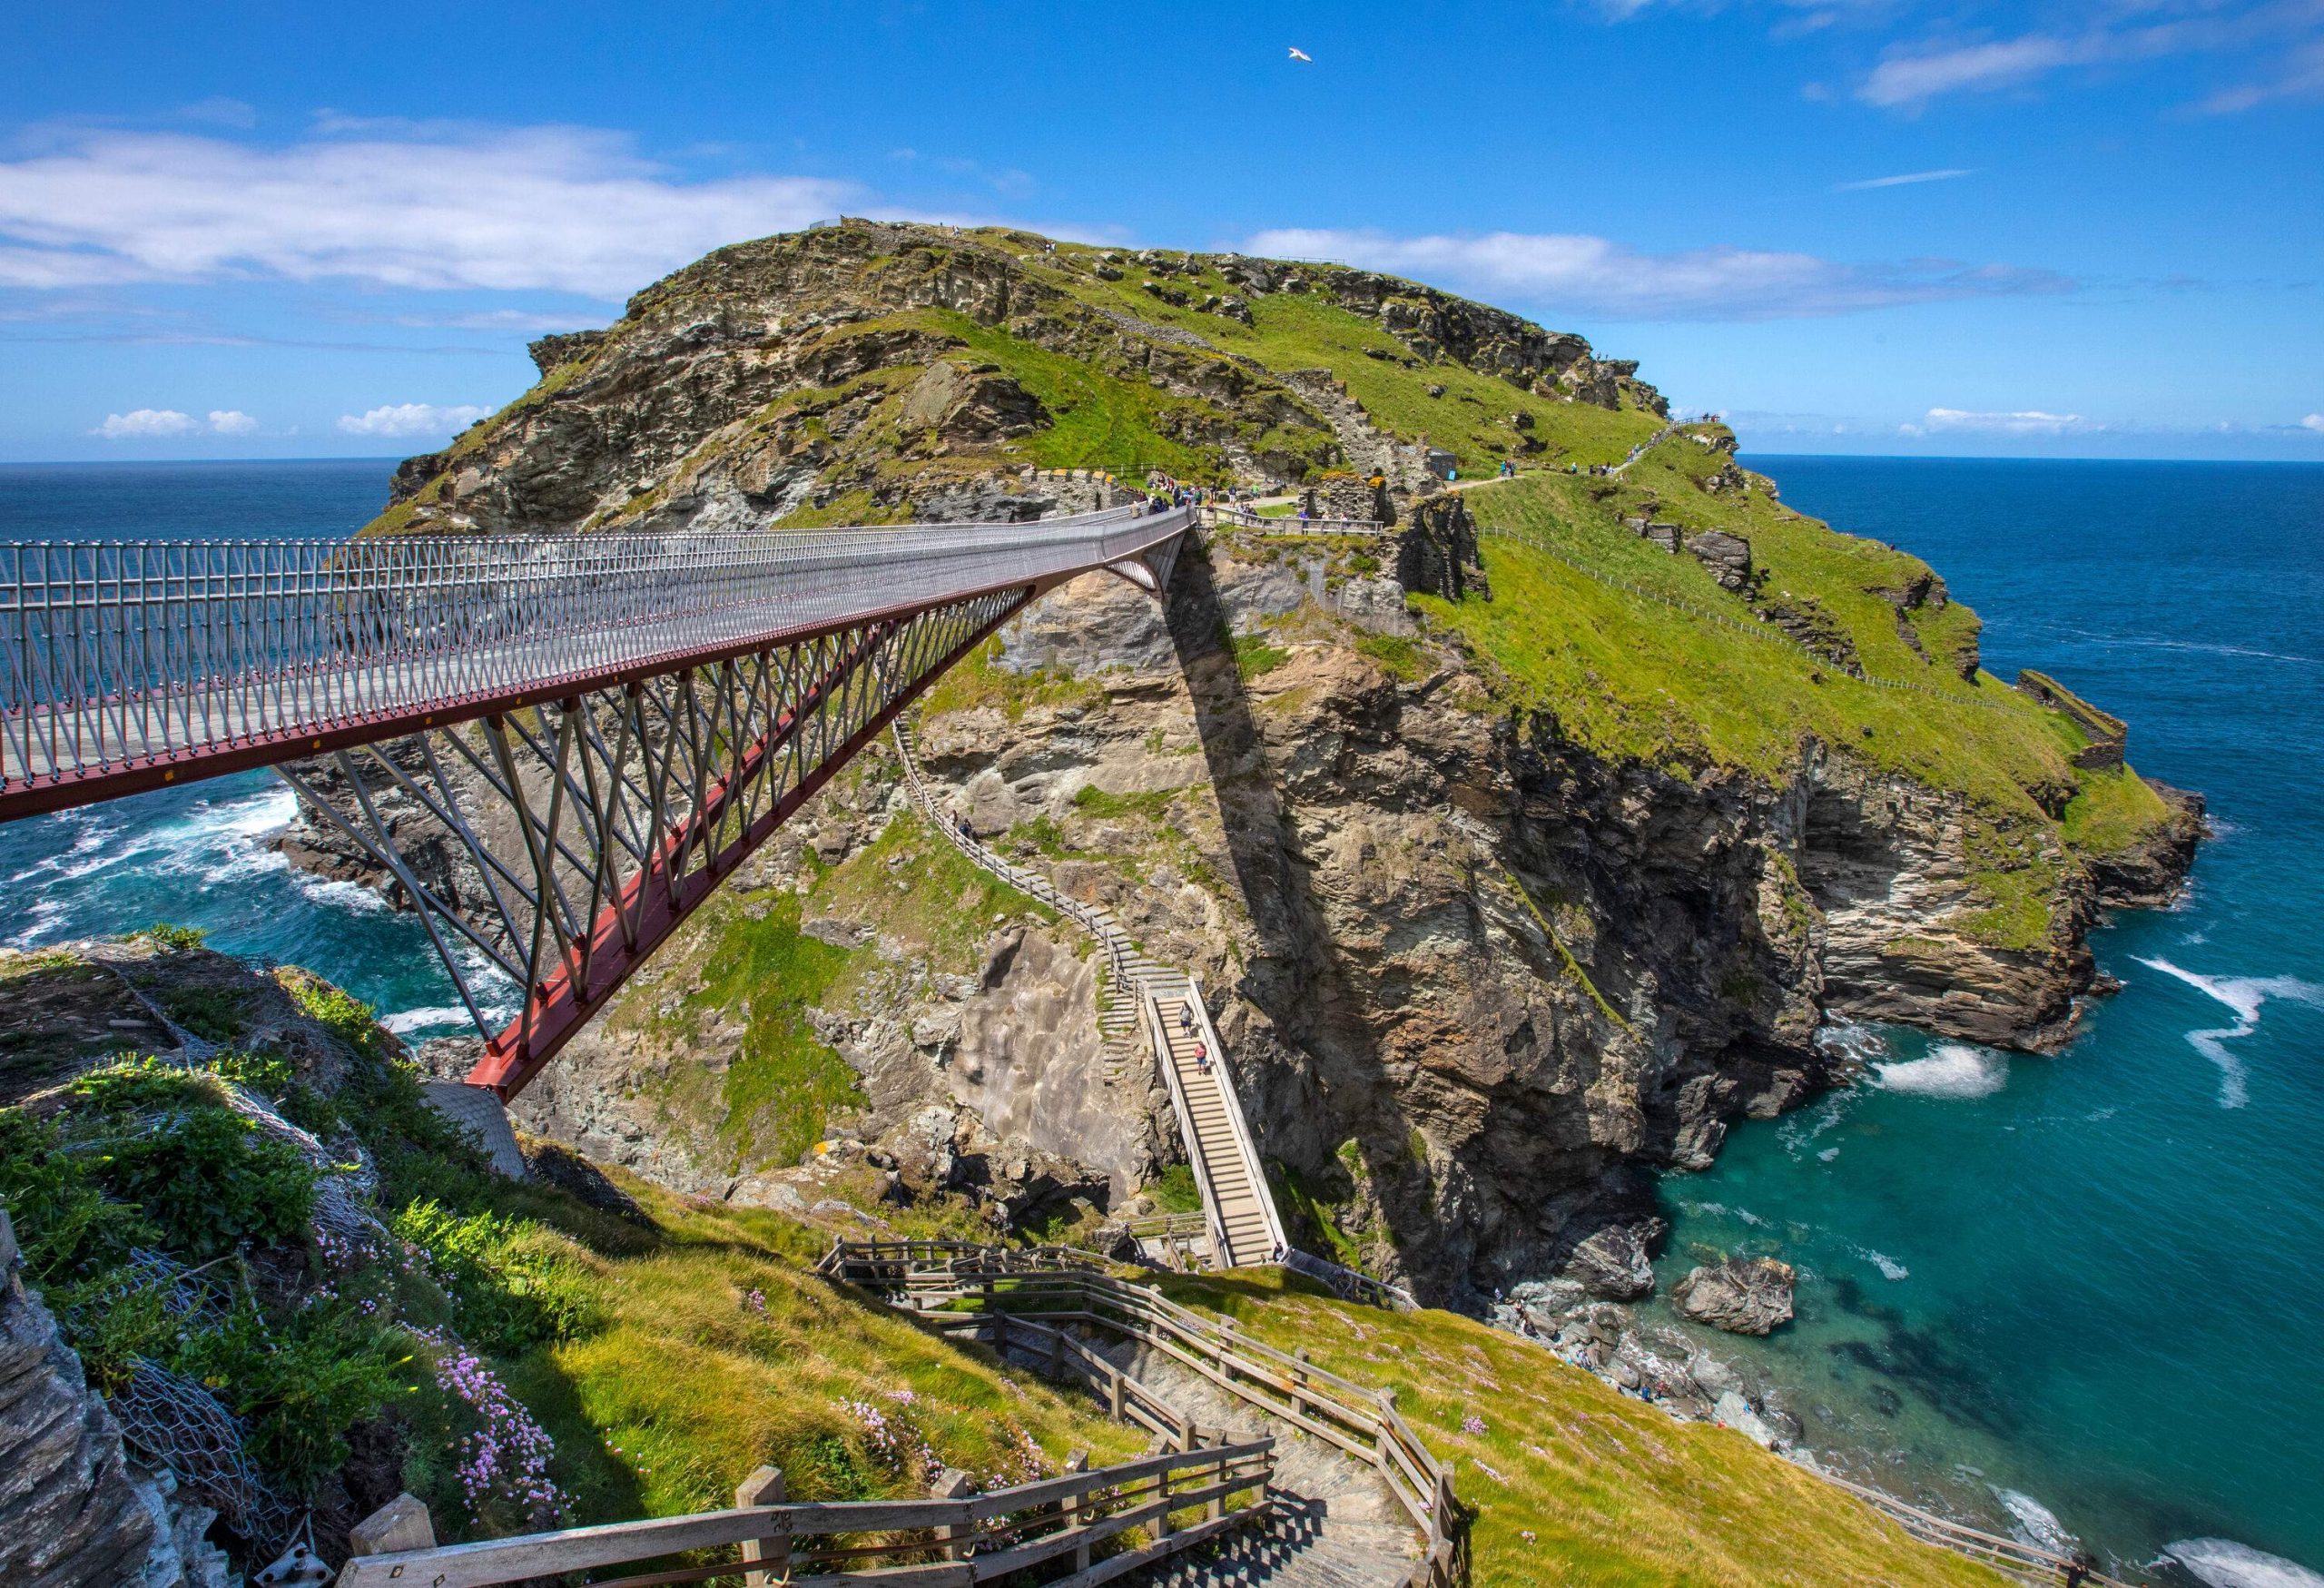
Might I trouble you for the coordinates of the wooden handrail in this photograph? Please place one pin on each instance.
(1360, 1421)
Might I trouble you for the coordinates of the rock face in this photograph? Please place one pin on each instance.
(71, 1515)
(1743, 1296)
(1481, 981)
(1437, 553)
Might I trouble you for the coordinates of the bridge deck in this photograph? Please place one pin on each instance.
(131, 665)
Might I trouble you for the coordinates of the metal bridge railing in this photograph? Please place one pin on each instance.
(119, 654)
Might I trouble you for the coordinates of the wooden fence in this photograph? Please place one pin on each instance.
(1361, 1423)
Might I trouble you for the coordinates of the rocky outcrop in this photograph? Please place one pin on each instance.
(71, 1514)
(1743, 1296)
(1437, 554)
(2109, 735)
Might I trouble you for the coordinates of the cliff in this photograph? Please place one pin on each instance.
(1509, 879)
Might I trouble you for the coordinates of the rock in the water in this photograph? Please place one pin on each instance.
(1616, 1261)
(1743, 1296)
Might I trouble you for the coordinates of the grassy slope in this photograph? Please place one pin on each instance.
(715, 1349)
(1611, 1490)
(1293, 330)
(1633, 678)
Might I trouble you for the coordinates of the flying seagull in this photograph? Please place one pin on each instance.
(1299, 55)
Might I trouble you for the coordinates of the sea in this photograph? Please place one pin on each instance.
(2078, 1296)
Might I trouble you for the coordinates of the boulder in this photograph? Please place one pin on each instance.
(1616, 1261)
(1729, 556)
(1736, 1412)
(1743, 1296)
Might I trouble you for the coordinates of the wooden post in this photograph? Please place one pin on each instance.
(1073, 1506)
(400, 1524)
(1114, 1377)
(771, 1553)
(1380, 1458)
(1162, 1493)
(958, 1538)
(1217, 1506)
(1299, 1381)
(1056, 1354)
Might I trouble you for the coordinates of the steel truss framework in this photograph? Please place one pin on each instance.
(630, 805)
(600, 740)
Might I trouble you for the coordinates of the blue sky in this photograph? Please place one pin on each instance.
(1849, 226)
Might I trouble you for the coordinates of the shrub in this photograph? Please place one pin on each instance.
(298, 1383)
(344, 1015)
(205, 1177)
(64, 1222)
(174, 939)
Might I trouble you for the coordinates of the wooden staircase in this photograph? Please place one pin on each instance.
(1245, 1227)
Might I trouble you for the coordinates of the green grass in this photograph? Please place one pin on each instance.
(719, 1351)
(1176, 1191)
(979, 680)
(1632, 677)
(1255, 655)
(777, 1097)
(1149, 804)
(1571, 1483)
(2112, 812)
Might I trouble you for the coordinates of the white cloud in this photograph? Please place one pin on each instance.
(231, 421)
(1912, 78)
(1907, 180)
(1578, 274)
(139, 424)
(563, 208)
(410, 419)
(2314, 422)
(2022, 422)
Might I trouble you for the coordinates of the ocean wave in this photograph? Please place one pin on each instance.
(408, 1022)
(2221, 1562)
(338, 894)
(2247, 996)
(2036, 1523)
(1952, 1070)
(1848, 1039)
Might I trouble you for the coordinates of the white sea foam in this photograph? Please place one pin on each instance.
(2036, 1523)
(1952, 1070)
(1890, 1268)
(339, 893)
(1828, 1155)
(405, 1023)
(2246, 995)
(1850, 1040)
(2222, 1563)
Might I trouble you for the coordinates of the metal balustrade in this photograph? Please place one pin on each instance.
(568, 742)
(128, 664)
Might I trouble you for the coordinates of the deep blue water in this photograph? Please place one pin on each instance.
(201, 855)
(2095, 1280)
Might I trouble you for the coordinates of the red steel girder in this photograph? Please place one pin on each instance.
(627, 929)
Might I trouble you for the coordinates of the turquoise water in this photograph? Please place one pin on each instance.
(202, 855)
(2096, 1279)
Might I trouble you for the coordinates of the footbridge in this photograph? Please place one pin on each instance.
(558, 745)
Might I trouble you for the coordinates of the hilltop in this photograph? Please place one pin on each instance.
(1516, 860)
(868, 373)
